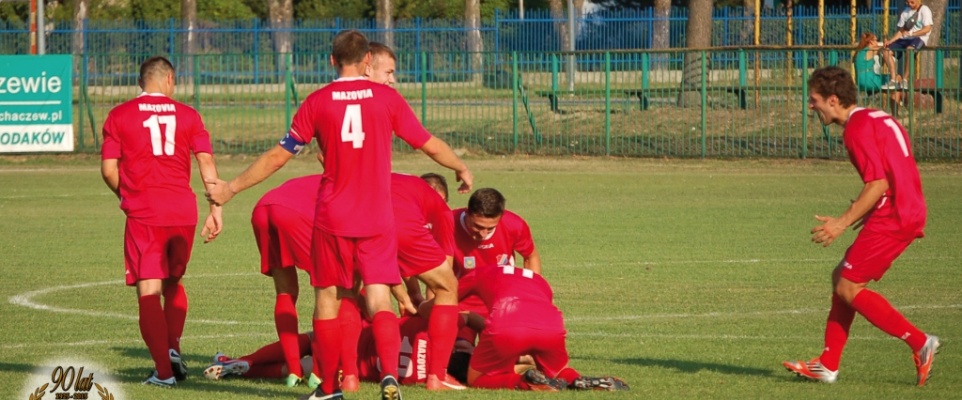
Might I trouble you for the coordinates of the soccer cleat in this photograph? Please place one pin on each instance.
(448, 383)
(153, 380)
(313, 381)
(292, 380)
(924, 357)
(537, 382)
(319, 395)
(224, 366)
(390, 388)
(178, 365)
(350, 383)
(813, 370)
(608, 383)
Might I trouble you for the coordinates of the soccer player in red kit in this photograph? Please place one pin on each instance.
(353, 120)
(522, 320)
(486, 234)
(891, 211)
(283, 221)
(148, 142)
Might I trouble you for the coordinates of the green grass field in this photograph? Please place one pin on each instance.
(688, 279)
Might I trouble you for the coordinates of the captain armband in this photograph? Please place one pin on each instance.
(291, 144)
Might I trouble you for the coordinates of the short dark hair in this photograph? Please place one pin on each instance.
(834, 81)
(349, 47)
(437, 183)
(378, 48)
(153, 67)
(486, 202)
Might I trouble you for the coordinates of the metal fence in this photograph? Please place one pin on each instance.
(739, 103)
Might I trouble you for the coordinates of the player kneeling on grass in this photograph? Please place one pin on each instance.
(891, 211)
(522, 320)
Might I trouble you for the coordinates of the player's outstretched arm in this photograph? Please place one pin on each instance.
(215, 220)
(533, 262)
(220, 192)
(441, 153)
(110, 171)
(832, 227)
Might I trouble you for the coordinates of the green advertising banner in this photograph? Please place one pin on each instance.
(36, 103)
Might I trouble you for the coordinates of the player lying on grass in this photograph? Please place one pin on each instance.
(269, 361)
(522, 320)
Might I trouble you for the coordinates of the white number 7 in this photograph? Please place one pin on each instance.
(170, 128)
(352, 129)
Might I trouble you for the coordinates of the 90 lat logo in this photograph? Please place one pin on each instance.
(70, 383)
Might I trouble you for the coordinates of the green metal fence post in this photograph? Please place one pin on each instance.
(742, 68)
(80, 105)
(288, 86)
(804, 152)
(832, 58)
(607, 103)
(424, 87)
(939, 69)
(514, 98)
(910, 72)
(196, 66)
(704, 104)
(554, 72)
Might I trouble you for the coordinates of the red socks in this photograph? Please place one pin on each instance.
(387, 340)
(442, 331)
(349, 316)
(153, 328)
(327, 345)
(285, 320)
(840, 319)
(175, 311)
(880, 313)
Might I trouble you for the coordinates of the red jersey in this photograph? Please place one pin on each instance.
(413, 362)
(418, 207)
(353, 121)
(153, 137)
(298, 194)
(515, 298)
(879, 148)
(511, 235)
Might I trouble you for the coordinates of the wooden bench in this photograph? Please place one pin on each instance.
(644, 95)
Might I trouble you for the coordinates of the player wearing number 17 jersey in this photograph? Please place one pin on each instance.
(892, 212)
(148, 142)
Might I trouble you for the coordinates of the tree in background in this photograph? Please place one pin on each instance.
(697, 36)
(385, 21)
(472, 27)
(281, 17)
(188, 19)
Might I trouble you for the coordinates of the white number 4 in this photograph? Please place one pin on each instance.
(170, 127)
(352, 129)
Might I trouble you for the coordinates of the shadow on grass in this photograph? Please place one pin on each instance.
(195, 362)
(692, 367)
(196, 382)
(10, 367)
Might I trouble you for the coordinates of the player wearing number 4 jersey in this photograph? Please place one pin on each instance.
(353, 120)
(146, 153)
(891, 211)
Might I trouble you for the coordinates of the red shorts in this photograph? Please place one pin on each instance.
(497, 353)
(283, 237)
(871, 255)
(417, 254)
(337, 258)
(156, 252)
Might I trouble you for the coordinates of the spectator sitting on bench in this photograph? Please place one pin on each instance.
(915, 24)
(868, 68)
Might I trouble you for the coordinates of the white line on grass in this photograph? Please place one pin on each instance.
(26, 300)
(732, 314)
(743, 261)
(122, 341)
(713, 337)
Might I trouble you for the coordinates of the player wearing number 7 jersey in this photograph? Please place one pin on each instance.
(353, 120)
(146, 153)
(891, 211)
